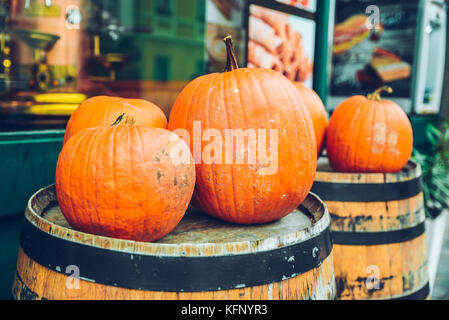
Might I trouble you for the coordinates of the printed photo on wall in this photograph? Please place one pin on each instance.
(282, 42)
(223, 18)
(368, 54)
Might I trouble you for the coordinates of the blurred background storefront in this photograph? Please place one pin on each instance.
(56, 53)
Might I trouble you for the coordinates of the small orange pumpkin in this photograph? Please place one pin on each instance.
(369, 135)
(257, 100)
(317, 111)
(122, 181)
(101, 111)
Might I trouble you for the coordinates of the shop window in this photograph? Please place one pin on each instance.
(161, 68)
(199, 69)
(164, 7)
(51, 62)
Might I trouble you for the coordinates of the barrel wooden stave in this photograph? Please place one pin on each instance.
(36, 281)
(382, 216)
(401, 269)
(401, 266)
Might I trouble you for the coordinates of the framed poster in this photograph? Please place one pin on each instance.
(374, 44)
(223, 18)
(281, 38)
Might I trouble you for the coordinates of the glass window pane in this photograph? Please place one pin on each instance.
(55, 54)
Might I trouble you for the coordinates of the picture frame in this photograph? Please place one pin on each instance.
(300, 16)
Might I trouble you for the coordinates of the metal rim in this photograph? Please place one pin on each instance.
(415, 167)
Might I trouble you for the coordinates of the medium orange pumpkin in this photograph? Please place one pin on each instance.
(317, 111)
(101, 111)
(250, 190)
(369, 135)
(122, 181)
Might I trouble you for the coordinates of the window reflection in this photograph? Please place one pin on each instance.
(54, 54)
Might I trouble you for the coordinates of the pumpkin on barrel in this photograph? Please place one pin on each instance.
(369, 135)
(248, 100)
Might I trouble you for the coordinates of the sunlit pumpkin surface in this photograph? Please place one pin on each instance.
(317, 111)
(369, 135)
(248, 98)
(121, 181)
(102, 111)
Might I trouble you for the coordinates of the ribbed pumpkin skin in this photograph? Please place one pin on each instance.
(317, 111)
(120, 182)
(366, 136)
(102, 111)
(249, 99)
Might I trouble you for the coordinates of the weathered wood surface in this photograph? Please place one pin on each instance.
(33, 281)
(326, 173)
(197, 235)
(400, 268)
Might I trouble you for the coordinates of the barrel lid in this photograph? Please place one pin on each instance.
(411, 170)
(196, 235)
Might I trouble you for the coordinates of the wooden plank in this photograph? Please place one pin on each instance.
(317, 283)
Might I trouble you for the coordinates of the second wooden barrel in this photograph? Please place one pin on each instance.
(202, 258)
(377, 224)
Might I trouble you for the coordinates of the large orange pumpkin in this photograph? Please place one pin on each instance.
(101, 111)
(317, 111)
(369, 135)
(255, 101)
(125, 181)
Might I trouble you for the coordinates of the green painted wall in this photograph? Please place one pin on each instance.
(9, 238)
(28, 162)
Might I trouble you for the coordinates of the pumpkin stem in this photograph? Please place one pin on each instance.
(231, 63)
(376, 95)
(124, 119)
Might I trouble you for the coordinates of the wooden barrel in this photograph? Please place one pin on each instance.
(377, 225)
(202, 258)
